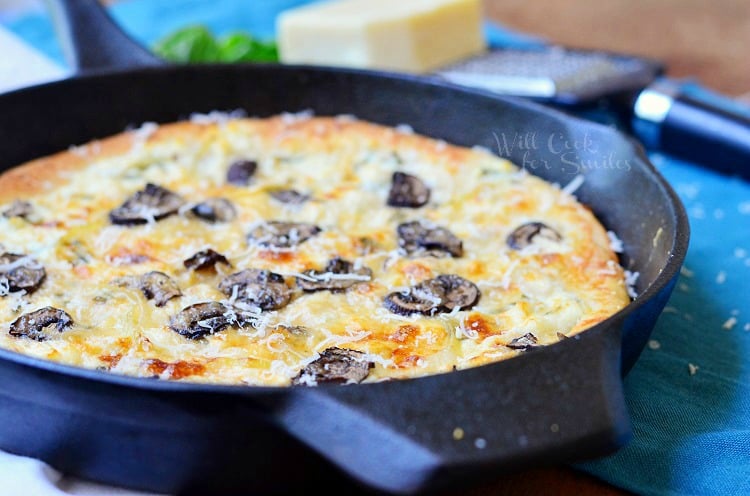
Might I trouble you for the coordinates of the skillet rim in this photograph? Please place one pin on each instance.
(676, 253)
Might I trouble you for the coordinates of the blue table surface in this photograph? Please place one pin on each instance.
(689, 394)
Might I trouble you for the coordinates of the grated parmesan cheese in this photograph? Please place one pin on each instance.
(289, 118)
(216, 117)
(574, 184)
(615, 243)
(630, 280)
(142, 133)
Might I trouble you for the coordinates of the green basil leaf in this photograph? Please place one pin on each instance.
(241, 47)
(189, 44)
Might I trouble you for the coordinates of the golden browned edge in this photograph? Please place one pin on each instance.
(46, 173)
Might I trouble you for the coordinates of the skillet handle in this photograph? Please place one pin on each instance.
(92, 40)
(560, 404)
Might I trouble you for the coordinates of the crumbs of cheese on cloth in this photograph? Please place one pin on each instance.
(730, 323)
(692, 369)
(654, 344)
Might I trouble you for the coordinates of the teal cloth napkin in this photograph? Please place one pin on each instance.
(689, 393)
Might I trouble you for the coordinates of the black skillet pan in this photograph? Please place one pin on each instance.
(561, 403)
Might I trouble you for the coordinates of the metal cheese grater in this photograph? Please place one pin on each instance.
(652, 107)
(554, 74)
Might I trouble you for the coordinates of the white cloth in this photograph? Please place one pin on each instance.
(21, 65)
(22, 476)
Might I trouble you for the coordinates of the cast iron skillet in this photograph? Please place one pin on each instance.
(561, 403)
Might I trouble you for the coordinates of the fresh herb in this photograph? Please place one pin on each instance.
(196, 44)
(241, 47)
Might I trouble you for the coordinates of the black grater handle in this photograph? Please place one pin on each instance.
(693, 130)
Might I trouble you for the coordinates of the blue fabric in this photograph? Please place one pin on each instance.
(692, 431)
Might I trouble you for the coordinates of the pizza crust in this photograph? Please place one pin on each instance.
(345, 165)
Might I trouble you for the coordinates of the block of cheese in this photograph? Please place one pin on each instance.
(400, 35)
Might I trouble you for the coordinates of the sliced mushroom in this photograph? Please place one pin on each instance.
(149, 204)
(215, 210)
(19, 208)
(441, 294)
(200, 319)
(205, 259)
(289, 196)
(459, 292)
(241, 171)
(423, 238)
(407, 191)
(335, 366)
(524, 343)
(293, 329)
(39, 323)
(159, 287)
(339, 274)
(278, 234)
(525, 234)
(21, 272)
(261, 288)
(424, 298)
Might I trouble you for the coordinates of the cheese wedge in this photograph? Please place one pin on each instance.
(401, 35)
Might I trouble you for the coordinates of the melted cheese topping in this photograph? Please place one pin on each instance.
(548, 289)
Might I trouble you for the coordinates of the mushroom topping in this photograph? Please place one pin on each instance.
(147, 205)
(442, 294)
(422, 238)
(20, 272)
(215, 210)
(241, 171)
(159, 287)
(261, 288)
(19, 208)
(39, 323)
(524, 343)
(335, 366)
(284, 235)
(407, 191)
(293, 329)
(205, 259)
(339, 274)
(200, 319)
(525, 234)
(289, 196)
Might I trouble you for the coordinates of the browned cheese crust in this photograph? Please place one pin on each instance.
(292, 250)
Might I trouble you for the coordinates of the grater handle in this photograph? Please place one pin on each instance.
(693, 130)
